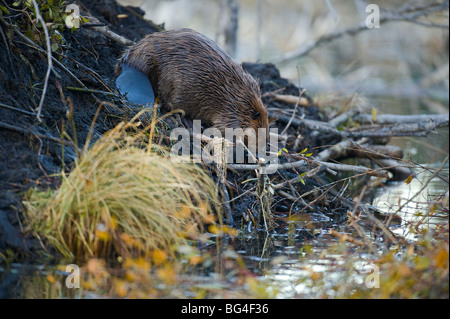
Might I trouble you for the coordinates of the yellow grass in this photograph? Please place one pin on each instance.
(123, 197)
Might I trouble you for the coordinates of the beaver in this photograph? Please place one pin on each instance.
(189, 71)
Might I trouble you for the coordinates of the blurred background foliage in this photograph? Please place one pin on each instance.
(401, 58)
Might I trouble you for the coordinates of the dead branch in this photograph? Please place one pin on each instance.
(113, 36)
(310, 124)
(37, 47)
(399, 171)
(291, 99)
(12, 108)
(346, 237)
(338, 150)
(298, 179)
(49, 60)
(401, 129)
(330, 167)
(29, 131)
(355, 169)
(376, 151)
(439, 119)
(408, 128)
(85, 90)
(406, 13)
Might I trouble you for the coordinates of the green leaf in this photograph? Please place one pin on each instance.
(374, 114)
(303, 151)
(4, 9)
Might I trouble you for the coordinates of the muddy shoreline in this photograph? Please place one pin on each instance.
(30, 155)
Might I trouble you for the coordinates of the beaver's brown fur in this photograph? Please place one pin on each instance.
(191, 72)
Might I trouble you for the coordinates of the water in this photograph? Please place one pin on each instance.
(302, 261)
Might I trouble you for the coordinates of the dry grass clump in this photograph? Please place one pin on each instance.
(122, 197)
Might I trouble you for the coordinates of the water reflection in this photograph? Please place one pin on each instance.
(414, 201)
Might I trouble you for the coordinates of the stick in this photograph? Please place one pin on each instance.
(113, 36)
(292, 99)
(356, 169)
(264, 202)
(394, 119)
(410, 14)
(346, 237)
(31, 132)
(12, 108)
(34, 45)
(338, 150)
(403, 129)
(297, 179)
(49, 60)
(71, 88)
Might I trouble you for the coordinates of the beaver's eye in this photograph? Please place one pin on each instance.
(255, 115)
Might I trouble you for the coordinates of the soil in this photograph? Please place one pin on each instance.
(29, 154)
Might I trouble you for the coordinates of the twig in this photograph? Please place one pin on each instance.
(297, 179)
(264, 202)
(49, 60)
(337, 150)
(113, 36)
(444, 162)
(401, 129)
(410, 14)
(439, 119)
(330, 167)
(292, 99)
(71, 88)
(29, 131)
(356, 169)
(12, 108)
(297, 103)
(346, 237)
(37, 47)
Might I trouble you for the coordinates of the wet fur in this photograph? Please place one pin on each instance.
(191, 72)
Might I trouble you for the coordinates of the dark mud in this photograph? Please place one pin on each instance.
(28, 156)
(29, 152)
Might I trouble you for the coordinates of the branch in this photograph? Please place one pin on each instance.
(113, 36)
(29, 131)
(37, 47)
(396, 125)
(12, 108)
(49, 60)
(409, 14)
(439, 119)
(330, 167)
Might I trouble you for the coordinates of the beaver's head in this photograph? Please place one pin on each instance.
(245, 111)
